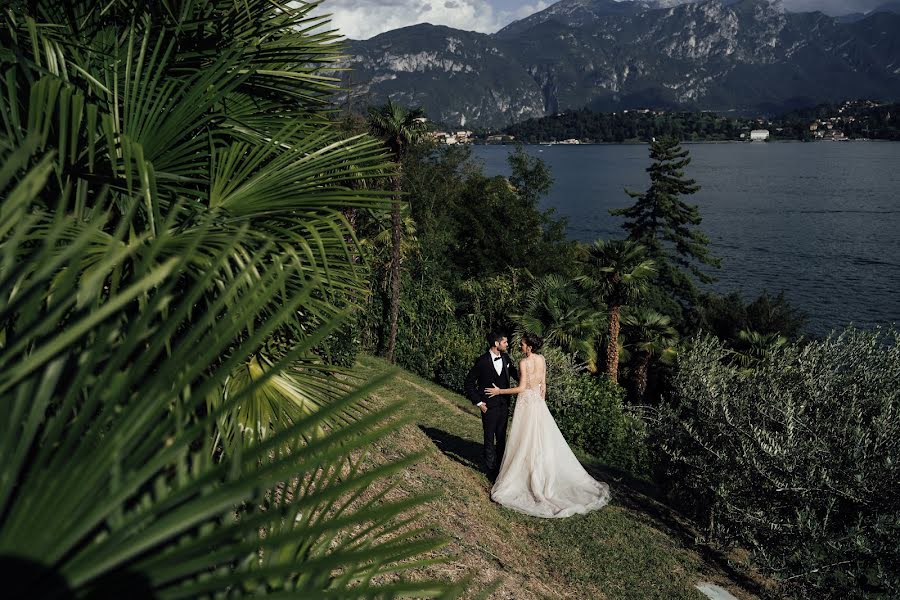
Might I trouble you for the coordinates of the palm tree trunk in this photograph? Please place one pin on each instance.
(641, 370)
(395, 269)
(612, 348)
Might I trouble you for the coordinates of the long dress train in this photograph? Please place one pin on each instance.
(540, 475)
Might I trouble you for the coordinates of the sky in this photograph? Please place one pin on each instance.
(362, 19)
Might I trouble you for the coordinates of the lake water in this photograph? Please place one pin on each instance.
(820, 221)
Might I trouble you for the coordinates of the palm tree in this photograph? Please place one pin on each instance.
(556, 310)
(172, 254)
(399, 128)
(184, 120)
(618, 271)
(753, 347)
(649, 334)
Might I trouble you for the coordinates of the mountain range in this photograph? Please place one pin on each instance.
(745, 56)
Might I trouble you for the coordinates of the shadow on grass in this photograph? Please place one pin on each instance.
(465, 452)
(646, 498)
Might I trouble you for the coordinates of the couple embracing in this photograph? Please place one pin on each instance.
(533, 470)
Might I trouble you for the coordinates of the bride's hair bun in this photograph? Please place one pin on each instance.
(534, 341)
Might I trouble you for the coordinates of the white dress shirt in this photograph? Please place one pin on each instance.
(498, 366)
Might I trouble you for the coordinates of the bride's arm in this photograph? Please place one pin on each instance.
(523, 384)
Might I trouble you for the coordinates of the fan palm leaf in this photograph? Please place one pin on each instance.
(206, 122)
(648, 334)
(752, 347)
(109, 481)
(556, 310)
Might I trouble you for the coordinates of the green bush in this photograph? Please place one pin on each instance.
(461, 349)
(591, 414)
(435, 342)
(432, 341)
(797, 459)
(342, 346)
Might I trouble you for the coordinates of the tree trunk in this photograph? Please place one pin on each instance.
(395, 269)
(641, 370)
(612, 348)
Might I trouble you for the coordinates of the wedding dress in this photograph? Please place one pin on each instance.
(539, 474)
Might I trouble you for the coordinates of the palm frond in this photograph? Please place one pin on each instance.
(171, 215)
(559, 312)
(109, 476)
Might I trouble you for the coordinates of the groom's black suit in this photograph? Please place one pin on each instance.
(484, 375)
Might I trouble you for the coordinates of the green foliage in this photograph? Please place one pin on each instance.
(342, 347)
(649, 332)
(753, 347)
(618, 271)
(110, 480)
(649, 336)
(398, 126)
(432, 341)
(797, 460)
(858, 119)
(530, 176)
(726, 315)
(478, 241)
(489, 302)
(557, 309)
(632, 125)
(174, 255)
(161, 117)
(666, 225)
(497, 227)
(434, 178)
(591, 414)
(460, 349)
(471, 225)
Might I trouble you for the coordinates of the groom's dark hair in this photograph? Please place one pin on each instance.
(494, 338)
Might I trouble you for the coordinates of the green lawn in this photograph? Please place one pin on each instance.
(636, 548)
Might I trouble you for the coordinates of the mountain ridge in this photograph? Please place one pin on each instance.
(743, 55)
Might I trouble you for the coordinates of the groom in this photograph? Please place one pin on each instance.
(492, 368)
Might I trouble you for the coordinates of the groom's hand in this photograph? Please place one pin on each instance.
(483, 407)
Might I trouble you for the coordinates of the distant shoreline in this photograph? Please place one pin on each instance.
(687, 142)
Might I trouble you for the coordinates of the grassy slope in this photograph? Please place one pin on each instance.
(636, 548)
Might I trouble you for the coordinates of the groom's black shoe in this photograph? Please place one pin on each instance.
(492, 475)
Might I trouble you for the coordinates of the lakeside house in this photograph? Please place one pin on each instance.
(453, 137)
(759, 135)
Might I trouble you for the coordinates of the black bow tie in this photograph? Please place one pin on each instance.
(497, 358)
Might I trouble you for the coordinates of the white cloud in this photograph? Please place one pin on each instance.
(362, 19)
(525, 10)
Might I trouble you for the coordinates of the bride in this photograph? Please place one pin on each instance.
(539, 474)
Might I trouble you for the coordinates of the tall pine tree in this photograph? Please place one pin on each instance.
(660, 220)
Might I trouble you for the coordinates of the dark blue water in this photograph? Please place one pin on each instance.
(820, 221)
